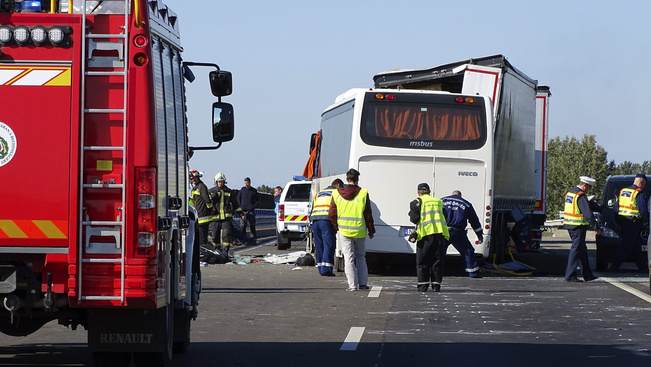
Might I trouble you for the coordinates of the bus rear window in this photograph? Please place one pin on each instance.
(424, 125)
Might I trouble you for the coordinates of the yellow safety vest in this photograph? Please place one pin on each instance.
(203, 207)
(225, 209)
(627, 203)
(432, 220)
(322, 205)
(350, 214)
(572, 216)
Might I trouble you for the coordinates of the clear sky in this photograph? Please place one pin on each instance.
(290, 59)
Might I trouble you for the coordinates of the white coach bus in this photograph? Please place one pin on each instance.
(399, 134)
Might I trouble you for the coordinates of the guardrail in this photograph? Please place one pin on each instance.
(556, 223)
(265, 222)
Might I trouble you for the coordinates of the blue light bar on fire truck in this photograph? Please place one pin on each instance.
(32, 6)
(38, 35)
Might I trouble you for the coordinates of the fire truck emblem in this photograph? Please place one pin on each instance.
(7, 144)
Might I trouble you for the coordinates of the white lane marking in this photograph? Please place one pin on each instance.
(375, 291)
(628, 289)
(353, 338)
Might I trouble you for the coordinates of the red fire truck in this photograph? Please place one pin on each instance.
(96, 229)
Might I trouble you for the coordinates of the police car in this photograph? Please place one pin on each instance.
(293, 215)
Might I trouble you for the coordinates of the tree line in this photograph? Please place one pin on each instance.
(569, 158)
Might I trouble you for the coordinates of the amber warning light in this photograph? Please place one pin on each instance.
(388, 97)
(466, 100)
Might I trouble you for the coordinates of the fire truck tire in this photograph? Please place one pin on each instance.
(112, 359)
(182, 320)
(164, 357)
(22, 326)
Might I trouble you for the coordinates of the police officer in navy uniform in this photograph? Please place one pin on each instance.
(633, 217)
(431, 235)
(322, 229)
(459, 212)
(577, 219)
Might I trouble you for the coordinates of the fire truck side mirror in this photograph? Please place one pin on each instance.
(221, 83)
(223, 124)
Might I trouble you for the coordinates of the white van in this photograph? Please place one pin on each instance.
(293, 215)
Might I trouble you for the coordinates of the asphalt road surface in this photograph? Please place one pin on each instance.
(259, 314)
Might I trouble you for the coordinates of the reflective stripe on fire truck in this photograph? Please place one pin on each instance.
(35, 76)
(33, 229)
(296, 218)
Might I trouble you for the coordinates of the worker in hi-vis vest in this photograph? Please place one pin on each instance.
(350, 214)
(202, 203)
(577, 218)
(322, 229)
(633, 218)
(431, 237)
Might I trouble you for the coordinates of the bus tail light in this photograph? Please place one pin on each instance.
(281, 212)
(464, 100)
(146, 213)
(388, 97)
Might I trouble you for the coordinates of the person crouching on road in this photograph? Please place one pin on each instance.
(225, 203)
(459, 212)
(577, 218)
(431, 237)
(350, 214)
(322, 229)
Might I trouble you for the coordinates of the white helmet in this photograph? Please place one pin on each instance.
(220, 177)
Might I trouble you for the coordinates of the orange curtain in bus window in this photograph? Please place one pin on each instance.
(399, 122)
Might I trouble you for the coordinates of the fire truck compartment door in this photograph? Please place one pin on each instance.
(35, 155)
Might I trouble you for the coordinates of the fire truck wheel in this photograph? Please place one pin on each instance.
(112, 359)
(182, 319)
(22, 326)
(164, 357)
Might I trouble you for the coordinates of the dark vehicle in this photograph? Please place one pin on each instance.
(610, 238)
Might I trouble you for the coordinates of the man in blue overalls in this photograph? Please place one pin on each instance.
(459, 212)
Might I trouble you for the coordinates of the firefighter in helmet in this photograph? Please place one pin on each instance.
(225, 203)
(203, 204)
